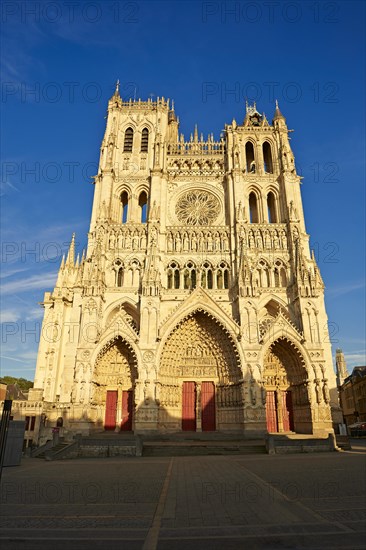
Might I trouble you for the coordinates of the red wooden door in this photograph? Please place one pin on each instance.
(127, 408)
(271, 412)
(287, 411)
(189, 406)
(110, 410)
(208, 406)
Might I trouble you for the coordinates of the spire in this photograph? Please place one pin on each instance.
(171, 115)
(116, 92)
(278, 113)
(60, 274)
(195, 138)
(70, 261)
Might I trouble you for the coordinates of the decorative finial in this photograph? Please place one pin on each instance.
(70, 260)
(277, 104)
(116, 91)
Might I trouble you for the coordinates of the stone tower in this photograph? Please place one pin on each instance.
(341, 367)
(197, 304)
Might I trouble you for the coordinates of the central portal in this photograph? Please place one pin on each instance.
(200, 381)
(198, 402)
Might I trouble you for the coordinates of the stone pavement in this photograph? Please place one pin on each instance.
(253, 502)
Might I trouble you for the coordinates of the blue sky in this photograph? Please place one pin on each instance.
(59, 67)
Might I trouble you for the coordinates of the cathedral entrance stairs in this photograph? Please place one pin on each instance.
(198, 444)
(50, 453)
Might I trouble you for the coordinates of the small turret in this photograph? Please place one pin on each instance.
(278, 113)
(173, 125)
(116, 99)
(279, 121)
(116, 91)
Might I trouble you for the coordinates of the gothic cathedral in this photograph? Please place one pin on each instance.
(197, 304)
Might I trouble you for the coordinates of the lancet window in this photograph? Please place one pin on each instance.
(267, 158)
(249, 155)
(124, 202)
(128, 142)
(144, 140)
(253, 208)
(143, 207)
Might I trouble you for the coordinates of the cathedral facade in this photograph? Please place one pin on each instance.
(198, 304)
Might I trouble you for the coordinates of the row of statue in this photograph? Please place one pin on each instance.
(197, 241)
(128, 239)
(264, 238)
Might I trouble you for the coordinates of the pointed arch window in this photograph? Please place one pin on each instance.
(253, 208)
(276, 277)
(118, 268)
(249, 155)
(128, 142)
(267, 157)
(206, 276)
(222, 279)
(271, 207)
(124, 202)
(283, 277)
(173, 275)
(143, 207)
(144, 140)
(190, 280)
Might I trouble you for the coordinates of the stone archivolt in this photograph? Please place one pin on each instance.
(199, 347)
(115, 367)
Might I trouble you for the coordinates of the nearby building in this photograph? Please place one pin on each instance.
(352, 395)
(198, 304)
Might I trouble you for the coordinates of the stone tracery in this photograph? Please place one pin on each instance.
(197, 208)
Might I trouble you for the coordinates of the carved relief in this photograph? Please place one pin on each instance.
(114, 367)
(199, 348)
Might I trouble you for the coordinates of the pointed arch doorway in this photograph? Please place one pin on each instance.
(285, 381)
(114, 379)
(200, 378)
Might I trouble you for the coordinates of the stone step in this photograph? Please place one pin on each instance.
(201, 448)
(53, 450)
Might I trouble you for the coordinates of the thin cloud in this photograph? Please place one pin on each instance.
(5, 274)
(9, 316)
(11, 358)
(346, 289)
(36, 282)
(359, 358)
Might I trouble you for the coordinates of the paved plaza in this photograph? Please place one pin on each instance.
(250, 501)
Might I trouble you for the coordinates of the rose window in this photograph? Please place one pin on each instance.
(197, 208)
